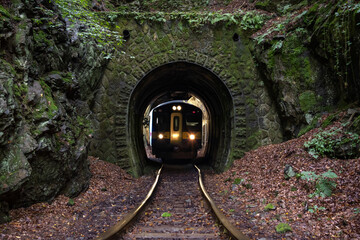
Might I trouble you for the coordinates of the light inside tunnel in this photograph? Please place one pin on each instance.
(189, 82)
(189, 98)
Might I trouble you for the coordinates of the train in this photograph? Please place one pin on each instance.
(175, 131)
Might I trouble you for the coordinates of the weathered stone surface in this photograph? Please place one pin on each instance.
(14, 171)
(44, 118)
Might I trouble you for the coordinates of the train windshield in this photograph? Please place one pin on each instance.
(193, 121)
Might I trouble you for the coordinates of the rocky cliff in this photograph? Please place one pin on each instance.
(46, 81)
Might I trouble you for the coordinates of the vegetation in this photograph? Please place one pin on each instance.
(283, 228)
(269, 207)
(323, 185)
(246, 20)
(166, 214)
(328, 142)
(89, 26)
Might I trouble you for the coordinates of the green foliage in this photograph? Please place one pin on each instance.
(238, 180)
(269, 207)
(326, 142)
(95, 28)
(4, 12)
(335, 33)
(51, 106)
(307, 100)
(71, 202)
(315, 209)
(283, 228)
(323, 185)
(166, 214)
(166, 5)
(250, 20)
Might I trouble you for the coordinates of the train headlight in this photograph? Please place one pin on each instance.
(161, 136)
(192, 136)
(175, 135)
(179, 108)
(174, 108)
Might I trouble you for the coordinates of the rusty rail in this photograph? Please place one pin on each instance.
(131, 215)
(225, 222)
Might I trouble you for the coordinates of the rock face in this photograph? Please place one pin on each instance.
(313, 66)
(44, 117)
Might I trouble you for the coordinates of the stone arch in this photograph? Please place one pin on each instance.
(253, 120)
(190, 77)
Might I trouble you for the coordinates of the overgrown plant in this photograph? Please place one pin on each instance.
(328, 142)
(251, 20)
(323, 185)
(89, 26)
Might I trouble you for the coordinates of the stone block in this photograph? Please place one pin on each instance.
(145, 66)
(192, 56)
(182, 54)
(162, 58)
(138, 73)
(201, 59)
(154, 62)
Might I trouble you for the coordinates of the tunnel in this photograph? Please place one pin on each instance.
(169, 82)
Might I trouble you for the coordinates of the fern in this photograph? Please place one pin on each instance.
(323, 185)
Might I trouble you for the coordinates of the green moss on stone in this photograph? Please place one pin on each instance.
(20, 90)
(51, 106)
(40, 37)
(307, 101)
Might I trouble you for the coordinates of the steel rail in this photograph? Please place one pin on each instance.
(131, 215)
(225, 222)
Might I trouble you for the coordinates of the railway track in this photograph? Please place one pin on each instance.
(180, 208)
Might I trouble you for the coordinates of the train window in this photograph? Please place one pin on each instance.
(192, 120)
(176, 123)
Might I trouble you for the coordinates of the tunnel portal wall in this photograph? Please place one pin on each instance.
(253, 120)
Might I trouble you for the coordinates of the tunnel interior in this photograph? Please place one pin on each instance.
(181, 81)
(187, 97)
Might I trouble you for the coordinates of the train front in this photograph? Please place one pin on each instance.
(176, 131)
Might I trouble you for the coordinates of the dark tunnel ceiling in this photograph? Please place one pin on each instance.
(179, 81)
(170, 81)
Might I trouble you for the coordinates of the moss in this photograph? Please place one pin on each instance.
(4, 12)
(283, 228)
(20, 90)
(307, 101)
(51, 107)
(269, 207)
(252, 141)
(40, 37)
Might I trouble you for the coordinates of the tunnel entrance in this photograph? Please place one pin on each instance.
(181, 80)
